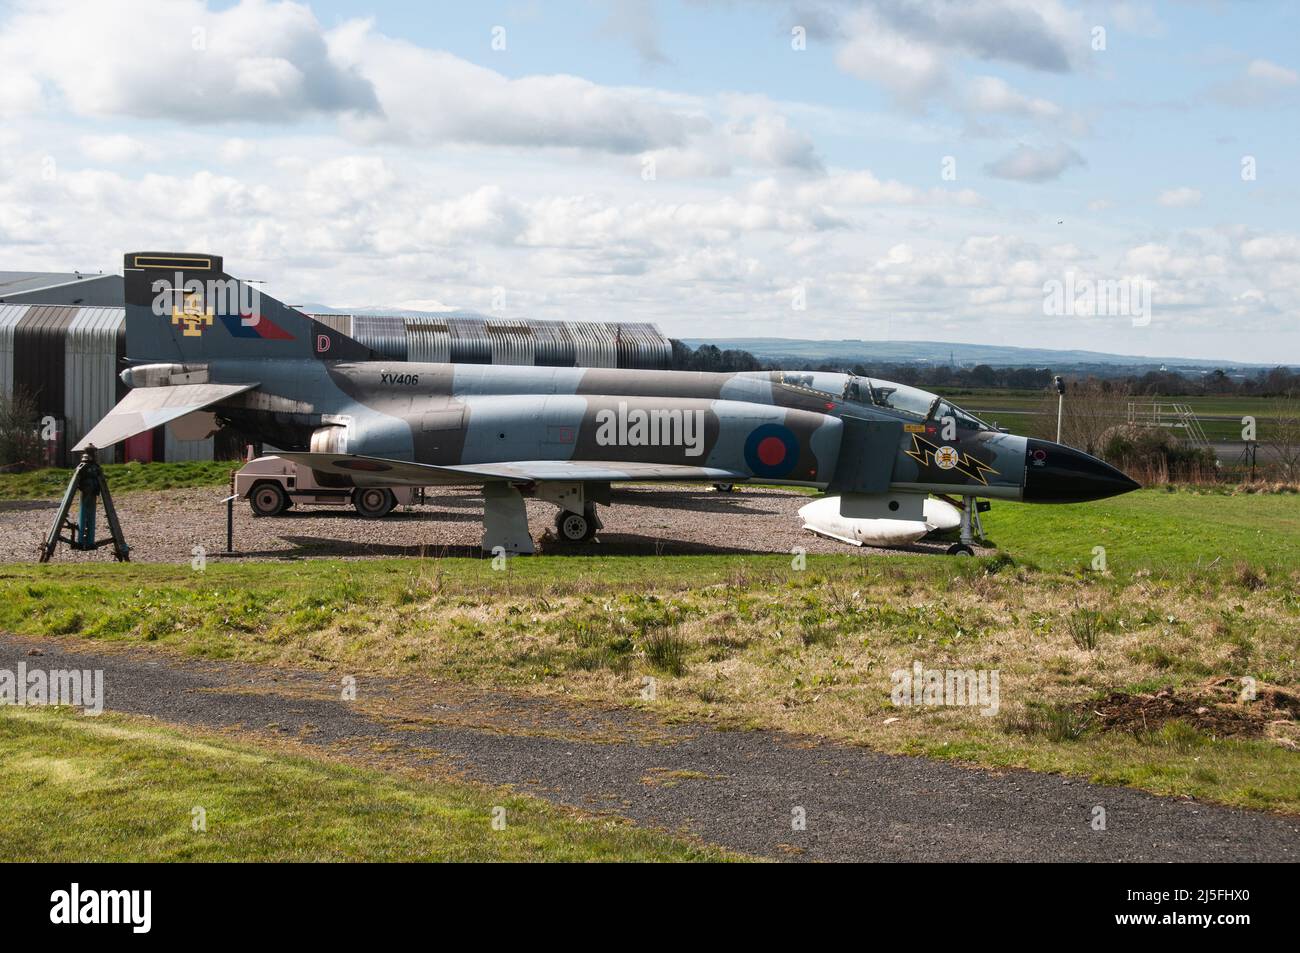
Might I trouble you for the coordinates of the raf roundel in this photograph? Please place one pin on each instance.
(771, 451)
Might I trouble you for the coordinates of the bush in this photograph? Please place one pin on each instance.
(20, 445)
(1155, 455)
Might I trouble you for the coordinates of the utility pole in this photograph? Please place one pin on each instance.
(1060, 403)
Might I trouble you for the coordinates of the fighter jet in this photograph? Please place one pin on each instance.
(200, 341)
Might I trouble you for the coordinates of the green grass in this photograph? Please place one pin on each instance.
(77, 788)
(122, 478)
(1154, 531)
(1023, 411)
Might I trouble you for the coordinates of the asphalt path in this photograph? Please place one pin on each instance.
(763, 793)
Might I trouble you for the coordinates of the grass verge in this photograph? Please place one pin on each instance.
(1198, 588)
(112, 788)
(122, 478)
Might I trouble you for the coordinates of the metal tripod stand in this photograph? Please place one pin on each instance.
(88, 480)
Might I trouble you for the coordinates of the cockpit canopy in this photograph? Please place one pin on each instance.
(911, 401)
(874, 392)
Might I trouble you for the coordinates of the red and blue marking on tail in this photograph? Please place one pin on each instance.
(254, 326)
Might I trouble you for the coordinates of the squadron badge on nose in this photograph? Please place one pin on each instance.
(945, 458)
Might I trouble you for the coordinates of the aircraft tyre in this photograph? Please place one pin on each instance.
(960, 549)
(576, 527)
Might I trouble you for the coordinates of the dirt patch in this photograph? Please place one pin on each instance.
(1219, 707)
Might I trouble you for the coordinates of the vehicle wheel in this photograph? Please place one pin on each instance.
(373, 502)
(268, 499)
(725, 487)
(574, 527)
(960, 549)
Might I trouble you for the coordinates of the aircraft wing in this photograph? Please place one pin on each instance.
(381, 470)
(147, 407)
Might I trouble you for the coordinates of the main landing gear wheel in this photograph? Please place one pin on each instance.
(960, 549)
(373, 502)
(268, 499)
(576, 527)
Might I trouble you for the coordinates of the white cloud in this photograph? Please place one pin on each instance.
(430, 96)
(988, 94)
(1026, 164)
(911, 69)
(1270, 248)
(635, 22)
(272, 61)
(259, 60)
(1261, 83)
(1272, 73)
(907, 47)
(864, 188)
(1179, 198)
(112, 150)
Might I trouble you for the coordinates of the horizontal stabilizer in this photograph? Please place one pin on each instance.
(364, 469)
(147, 407)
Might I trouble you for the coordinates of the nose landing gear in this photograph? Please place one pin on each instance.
(971, 527)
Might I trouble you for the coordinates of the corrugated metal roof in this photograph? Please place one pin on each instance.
(428, 340)
(511, 342)
(553, 345)
(595, 345)
(337, 322)
(641, 345)
(385, 334)
(51, 287)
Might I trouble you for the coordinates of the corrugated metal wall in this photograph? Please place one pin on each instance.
(91, 382)
(40, 355)
(471, 340)
(68, 359)
(177, 450)
(10, 315)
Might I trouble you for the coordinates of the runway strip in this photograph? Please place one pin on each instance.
(739, 789)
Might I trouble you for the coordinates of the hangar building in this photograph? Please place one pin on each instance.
(63, 343)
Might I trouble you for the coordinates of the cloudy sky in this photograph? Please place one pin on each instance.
(891, 169)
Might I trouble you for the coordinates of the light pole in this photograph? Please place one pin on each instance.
(1060, 403)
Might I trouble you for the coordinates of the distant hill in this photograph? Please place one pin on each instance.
(940, 352)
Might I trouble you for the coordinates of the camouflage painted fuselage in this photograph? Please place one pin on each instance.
(772, 427)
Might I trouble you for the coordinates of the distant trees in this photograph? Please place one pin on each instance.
(708, 357)
(1273, 382)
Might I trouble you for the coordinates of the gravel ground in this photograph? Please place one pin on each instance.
(164, 526)
(738, 789)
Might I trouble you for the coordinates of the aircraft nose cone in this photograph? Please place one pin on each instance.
(1059, 474)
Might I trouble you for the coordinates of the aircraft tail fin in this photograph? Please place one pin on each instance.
(182, 307)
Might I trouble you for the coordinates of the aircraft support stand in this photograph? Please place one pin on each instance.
(88, 480)
(505, 521)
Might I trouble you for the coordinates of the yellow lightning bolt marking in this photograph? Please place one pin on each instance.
(975, 469)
